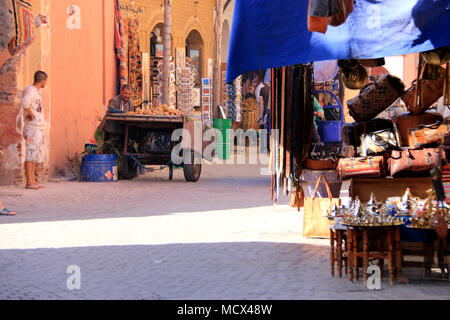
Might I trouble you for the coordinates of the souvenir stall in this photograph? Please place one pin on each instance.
(378, 188)
(143, 137)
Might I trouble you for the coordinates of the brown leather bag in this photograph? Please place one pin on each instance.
(426, 134)
(417, 160)
(375, 97)
(431, 91)
(346, 7)
(316, 24)
(408, 121)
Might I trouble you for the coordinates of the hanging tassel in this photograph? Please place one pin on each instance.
(297, 197)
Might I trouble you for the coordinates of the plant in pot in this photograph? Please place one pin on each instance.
(99, 162)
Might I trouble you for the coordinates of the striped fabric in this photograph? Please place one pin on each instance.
(24, 24)
(446, 181)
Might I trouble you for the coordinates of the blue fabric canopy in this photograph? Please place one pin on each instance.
(274, 33)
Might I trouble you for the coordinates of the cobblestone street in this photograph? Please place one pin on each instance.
(220, 238)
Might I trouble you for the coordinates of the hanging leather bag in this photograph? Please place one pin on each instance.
(430, 92)
(417, 160)
(375, 97)
(345, 8)
(316, 23)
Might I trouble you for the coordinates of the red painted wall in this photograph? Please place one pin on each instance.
(82, 75)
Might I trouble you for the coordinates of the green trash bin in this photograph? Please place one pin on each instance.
(223, 149)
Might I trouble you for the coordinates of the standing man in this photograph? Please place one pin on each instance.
(33, 131)
(122, 102)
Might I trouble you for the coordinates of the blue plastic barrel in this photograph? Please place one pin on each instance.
(99, 168)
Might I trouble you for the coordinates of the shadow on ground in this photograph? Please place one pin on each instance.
(191, 271)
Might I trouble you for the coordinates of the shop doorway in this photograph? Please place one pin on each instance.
(194, 52)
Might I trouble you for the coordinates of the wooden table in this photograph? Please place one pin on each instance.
(441, 250)
(364, 234)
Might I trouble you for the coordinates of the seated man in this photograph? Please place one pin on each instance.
(122, 102)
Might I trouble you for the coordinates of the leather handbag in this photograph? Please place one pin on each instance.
(345, 8)
(315, 221)
(431, 91)
(426, 134)
(361, 167)
(378, 142)
(407, 121)
(375, 97)
(316, 23)
(414, 160)
(437, 56)
(352, 132)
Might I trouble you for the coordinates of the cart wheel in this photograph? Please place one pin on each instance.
(192, 171)
(128, 168)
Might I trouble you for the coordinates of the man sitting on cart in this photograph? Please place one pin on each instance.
(122, 102)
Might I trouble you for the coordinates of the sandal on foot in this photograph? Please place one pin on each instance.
(6, 212)
(36, 187)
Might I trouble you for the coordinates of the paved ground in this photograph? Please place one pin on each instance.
(220, 238)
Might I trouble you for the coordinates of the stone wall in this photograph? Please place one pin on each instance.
(10, 125)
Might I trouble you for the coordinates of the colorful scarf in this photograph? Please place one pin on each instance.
(6, 23)
(121, 45)
(134, 59)
(24, 24)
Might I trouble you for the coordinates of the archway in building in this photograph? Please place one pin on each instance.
(194, 51)
(156, 40)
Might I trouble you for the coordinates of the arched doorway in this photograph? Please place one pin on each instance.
(194, 51)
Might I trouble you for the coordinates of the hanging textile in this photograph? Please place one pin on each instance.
(276, 33)
(231, 102)
(24, 27)
(121, 45)
(134, 59)
(6, 23)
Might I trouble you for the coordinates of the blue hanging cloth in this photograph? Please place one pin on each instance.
(267, 34)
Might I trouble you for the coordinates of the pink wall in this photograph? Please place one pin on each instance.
(82, 75)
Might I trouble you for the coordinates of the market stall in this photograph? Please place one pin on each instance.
(391, 165)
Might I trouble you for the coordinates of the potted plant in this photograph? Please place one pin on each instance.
(100, 161)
